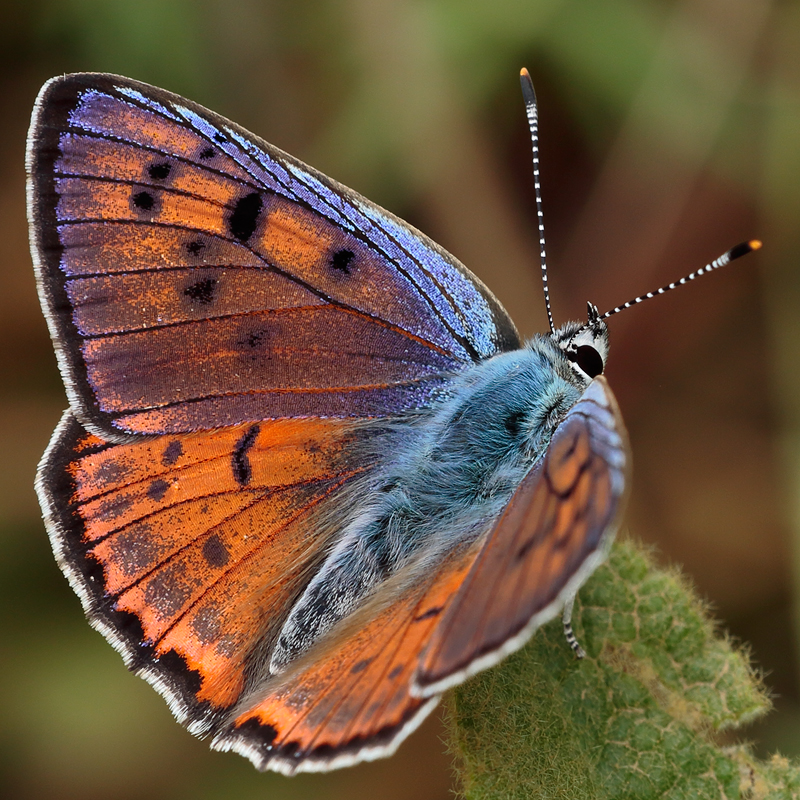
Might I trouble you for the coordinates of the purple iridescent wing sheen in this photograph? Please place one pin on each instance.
(195, 277)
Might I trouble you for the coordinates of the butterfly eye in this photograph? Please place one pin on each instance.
(588, 360)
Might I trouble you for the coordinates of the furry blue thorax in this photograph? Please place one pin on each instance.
(443, 478)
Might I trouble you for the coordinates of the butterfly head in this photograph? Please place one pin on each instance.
(584, 345)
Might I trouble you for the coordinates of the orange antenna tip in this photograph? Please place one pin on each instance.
(743, 249)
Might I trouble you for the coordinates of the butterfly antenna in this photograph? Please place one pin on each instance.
(532, 112)
(731, 255)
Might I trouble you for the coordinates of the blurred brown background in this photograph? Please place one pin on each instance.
(670, 131)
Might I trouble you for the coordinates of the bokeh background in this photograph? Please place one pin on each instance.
(670, 131)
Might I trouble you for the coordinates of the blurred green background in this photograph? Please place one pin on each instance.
(670, 131)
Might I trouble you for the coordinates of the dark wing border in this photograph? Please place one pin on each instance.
(169, 674)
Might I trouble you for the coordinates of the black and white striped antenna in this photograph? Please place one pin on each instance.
(731, 255)
(532, 112)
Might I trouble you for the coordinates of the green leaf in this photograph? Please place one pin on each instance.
(640, 717)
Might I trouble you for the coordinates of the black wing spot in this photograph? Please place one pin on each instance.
(143, 200)
(207, 153)
(159, 172)
(218, 137)
(360, 666)
(396, 672)
(240, 463)
(202, 291)
(525, 549)
(157, 489)
(341, 260)
(111, 472)
(172, 452)
(255, 342)
(115, 506)
(256, 339)
(244, 218)
(206, 623)
(215, 552)
(175, 666)
(195, 247)
(431, 612)
(166, 592)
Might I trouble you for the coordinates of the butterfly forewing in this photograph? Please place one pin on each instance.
(546, 543)
(196, 277)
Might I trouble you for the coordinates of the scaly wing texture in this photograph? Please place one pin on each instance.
(351, 699)
(187, 551)
(194, 276)
(549, 539)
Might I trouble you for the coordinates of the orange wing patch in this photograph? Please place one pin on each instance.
(338, 263)
(111, 160)
(354, 687)
(195, 546)
(93, 248)
(103, 304)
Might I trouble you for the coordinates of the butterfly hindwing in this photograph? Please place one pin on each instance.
(188, 551)
(548, 540)
(351, 698)
(194, 276)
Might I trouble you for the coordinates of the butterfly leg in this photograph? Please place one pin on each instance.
(567, 620)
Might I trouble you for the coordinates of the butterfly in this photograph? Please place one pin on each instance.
(309, 476)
